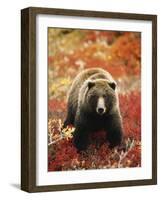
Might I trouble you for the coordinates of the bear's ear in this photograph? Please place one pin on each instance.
(91, 84)
(112, 85)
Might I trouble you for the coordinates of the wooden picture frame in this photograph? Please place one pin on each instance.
(29, 98)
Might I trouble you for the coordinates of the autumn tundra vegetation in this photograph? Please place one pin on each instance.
(69, 52)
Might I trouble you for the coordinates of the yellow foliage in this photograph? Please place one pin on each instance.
(65, 81)
(68, 132)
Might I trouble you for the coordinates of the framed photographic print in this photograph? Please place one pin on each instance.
(88, 99)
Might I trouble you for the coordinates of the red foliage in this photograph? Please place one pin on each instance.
(130, 106)
(121, 58)
(50, 59)
(127, 50)
(64, 156)
(56, 105)
(108, 36)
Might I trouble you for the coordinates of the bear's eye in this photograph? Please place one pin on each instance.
(112, 85)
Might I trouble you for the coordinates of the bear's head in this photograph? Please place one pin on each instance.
(100, 96)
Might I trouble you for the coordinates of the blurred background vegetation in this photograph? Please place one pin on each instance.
(69, 52)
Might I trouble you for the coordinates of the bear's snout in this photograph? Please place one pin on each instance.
(101, 109)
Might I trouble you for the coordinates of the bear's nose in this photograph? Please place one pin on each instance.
(100, 110)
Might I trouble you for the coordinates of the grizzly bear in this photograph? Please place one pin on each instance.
(93, 105)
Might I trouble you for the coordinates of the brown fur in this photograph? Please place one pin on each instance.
(78, 83)
(86, 88)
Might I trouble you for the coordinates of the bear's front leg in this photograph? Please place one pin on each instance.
(80, 138)
(70, 118)
(114, 130)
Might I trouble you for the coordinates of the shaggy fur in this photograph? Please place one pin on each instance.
(87, 88)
